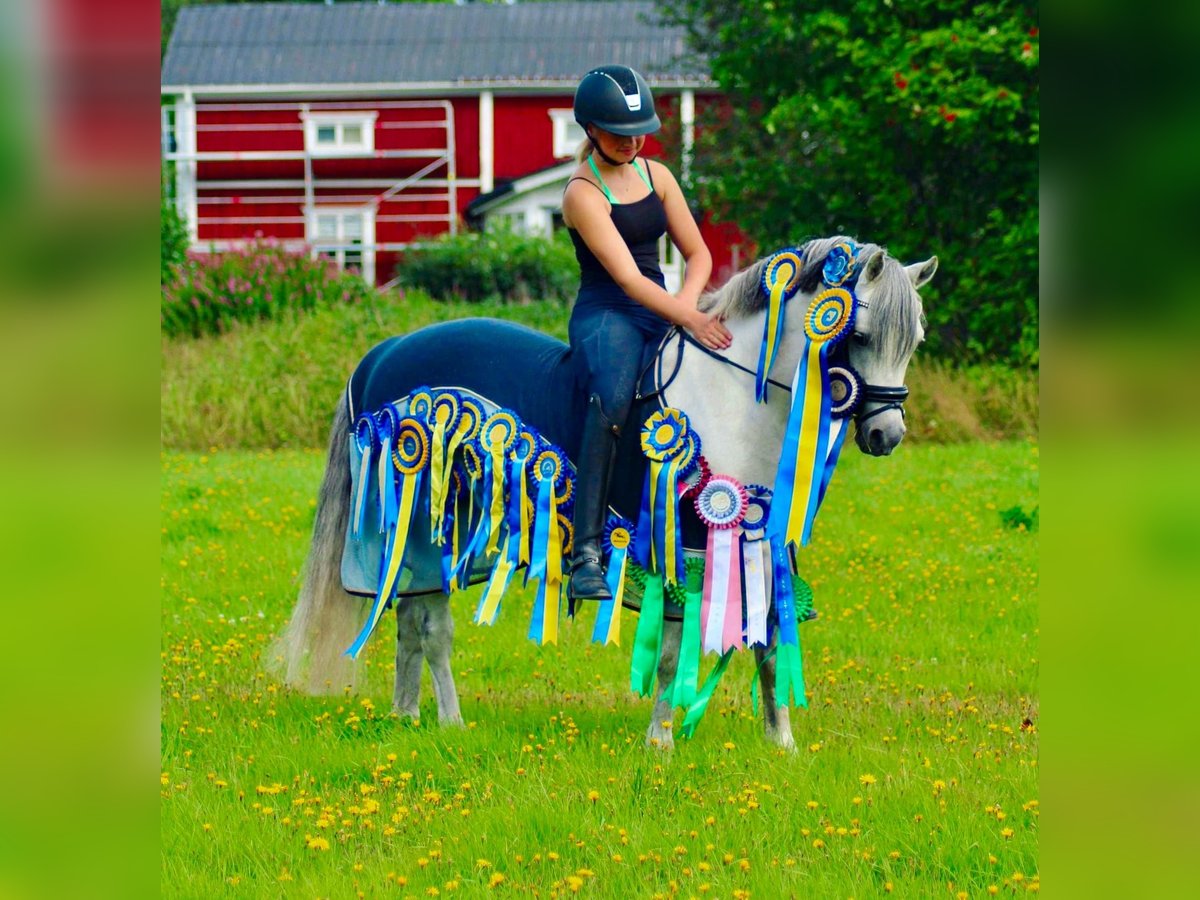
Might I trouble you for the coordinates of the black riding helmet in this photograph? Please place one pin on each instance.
(617, 100)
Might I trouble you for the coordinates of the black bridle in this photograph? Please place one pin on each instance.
(888, 397)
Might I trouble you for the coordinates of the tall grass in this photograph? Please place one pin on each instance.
(274, 383)
(919, 753)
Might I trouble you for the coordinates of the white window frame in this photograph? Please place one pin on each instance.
(567, 132)
(337, 247)
(365, 120)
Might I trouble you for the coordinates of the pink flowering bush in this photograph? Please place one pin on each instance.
(209, 291)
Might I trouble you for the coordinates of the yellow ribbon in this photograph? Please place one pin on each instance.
(438, 471)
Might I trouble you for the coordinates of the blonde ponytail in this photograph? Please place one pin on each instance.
(583, 151)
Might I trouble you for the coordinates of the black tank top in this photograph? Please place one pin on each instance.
(640, 225)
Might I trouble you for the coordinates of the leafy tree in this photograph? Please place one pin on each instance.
(913, 122)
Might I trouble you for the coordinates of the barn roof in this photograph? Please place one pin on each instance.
(472, 45)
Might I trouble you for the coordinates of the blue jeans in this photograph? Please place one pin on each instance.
(611, 335)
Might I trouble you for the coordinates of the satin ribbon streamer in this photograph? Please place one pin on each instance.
(607, 629)
(665, 443)
(780, 281)
(687, 671)
(403, 484)
(546, 553)
(806, 454)
(647, 640)
(362, 449)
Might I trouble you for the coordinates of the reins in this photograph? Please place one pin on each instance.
(889, 397)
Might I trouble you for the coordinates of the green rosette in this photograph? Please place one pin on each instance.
(647, 641)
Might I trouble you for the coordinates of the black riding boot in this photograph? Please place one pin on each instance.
(596, 456)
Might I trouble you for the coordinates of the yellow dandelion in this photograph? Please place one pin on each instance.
(1007, 833)
(574, 882)
(818, 844)
(317, 843)
(496, 880)
(593, 795)
(866, 779)
(730, 745)
(744, 865)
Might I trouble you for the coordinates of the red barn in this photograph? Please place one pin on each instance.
(357, 129)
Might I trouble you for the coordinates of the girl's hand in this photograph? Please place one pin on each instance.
(709, 330)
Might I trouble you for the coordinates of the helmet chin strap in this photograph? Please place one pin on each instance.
(604, 156)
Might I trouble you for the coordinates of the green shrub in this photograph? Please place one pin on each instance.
(173, 240)
(208, 292)
(495, 265)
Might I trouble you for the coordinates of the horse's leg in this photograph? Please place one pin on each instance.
(660, 733)
(406, 700)
(437, 640)
(776, 719)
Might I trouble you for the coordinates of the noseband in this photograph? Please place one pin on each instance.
(889, 397)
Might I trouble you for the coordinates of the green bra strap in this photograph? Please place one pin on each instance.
(607, 193)
(639, 171)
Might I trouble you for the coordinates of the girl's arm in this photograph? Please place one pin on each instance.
(587, 211)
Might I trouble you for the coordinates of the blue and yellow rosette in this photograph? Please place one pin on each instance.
(442, 419)
(472, 466)
(408, 461)
(497, 435)
(780, 281)
(618, 538)
(549, 471)
(841, 265)
(520, 508)
(665, 443)
(363, 442)
(466, 428)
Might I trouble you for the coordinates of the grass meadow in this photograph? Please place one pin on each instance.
(917, 773)
(269, 384)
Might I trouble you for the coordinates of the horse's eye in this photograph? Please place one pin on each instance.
(863, 340)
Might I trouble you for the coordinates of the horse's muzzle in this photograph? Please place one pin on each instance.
(878, 439)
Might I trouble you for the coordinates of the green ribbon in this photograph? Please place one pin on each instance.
(757, 676)
(696, 711)
(647, 642)
(687, 673)
(789, 676)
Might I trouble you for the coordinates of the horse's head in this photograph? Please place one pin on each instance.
(887, 329)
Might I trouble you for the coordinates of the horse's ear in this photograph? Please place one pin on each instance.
(874, 266)
(920, 273)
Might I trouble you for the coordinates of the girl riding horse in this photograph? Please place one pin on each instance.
(617, 207)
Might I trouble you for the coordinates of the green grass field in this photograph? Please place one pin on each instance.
(918, 765)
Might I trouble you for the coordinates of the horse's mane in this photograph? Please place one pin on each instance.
(895, 307)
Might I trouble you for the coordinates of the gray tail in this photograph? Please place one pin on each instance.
(326, 618)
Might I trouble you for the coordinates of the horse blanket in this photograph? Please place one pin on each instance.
(501, 365)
